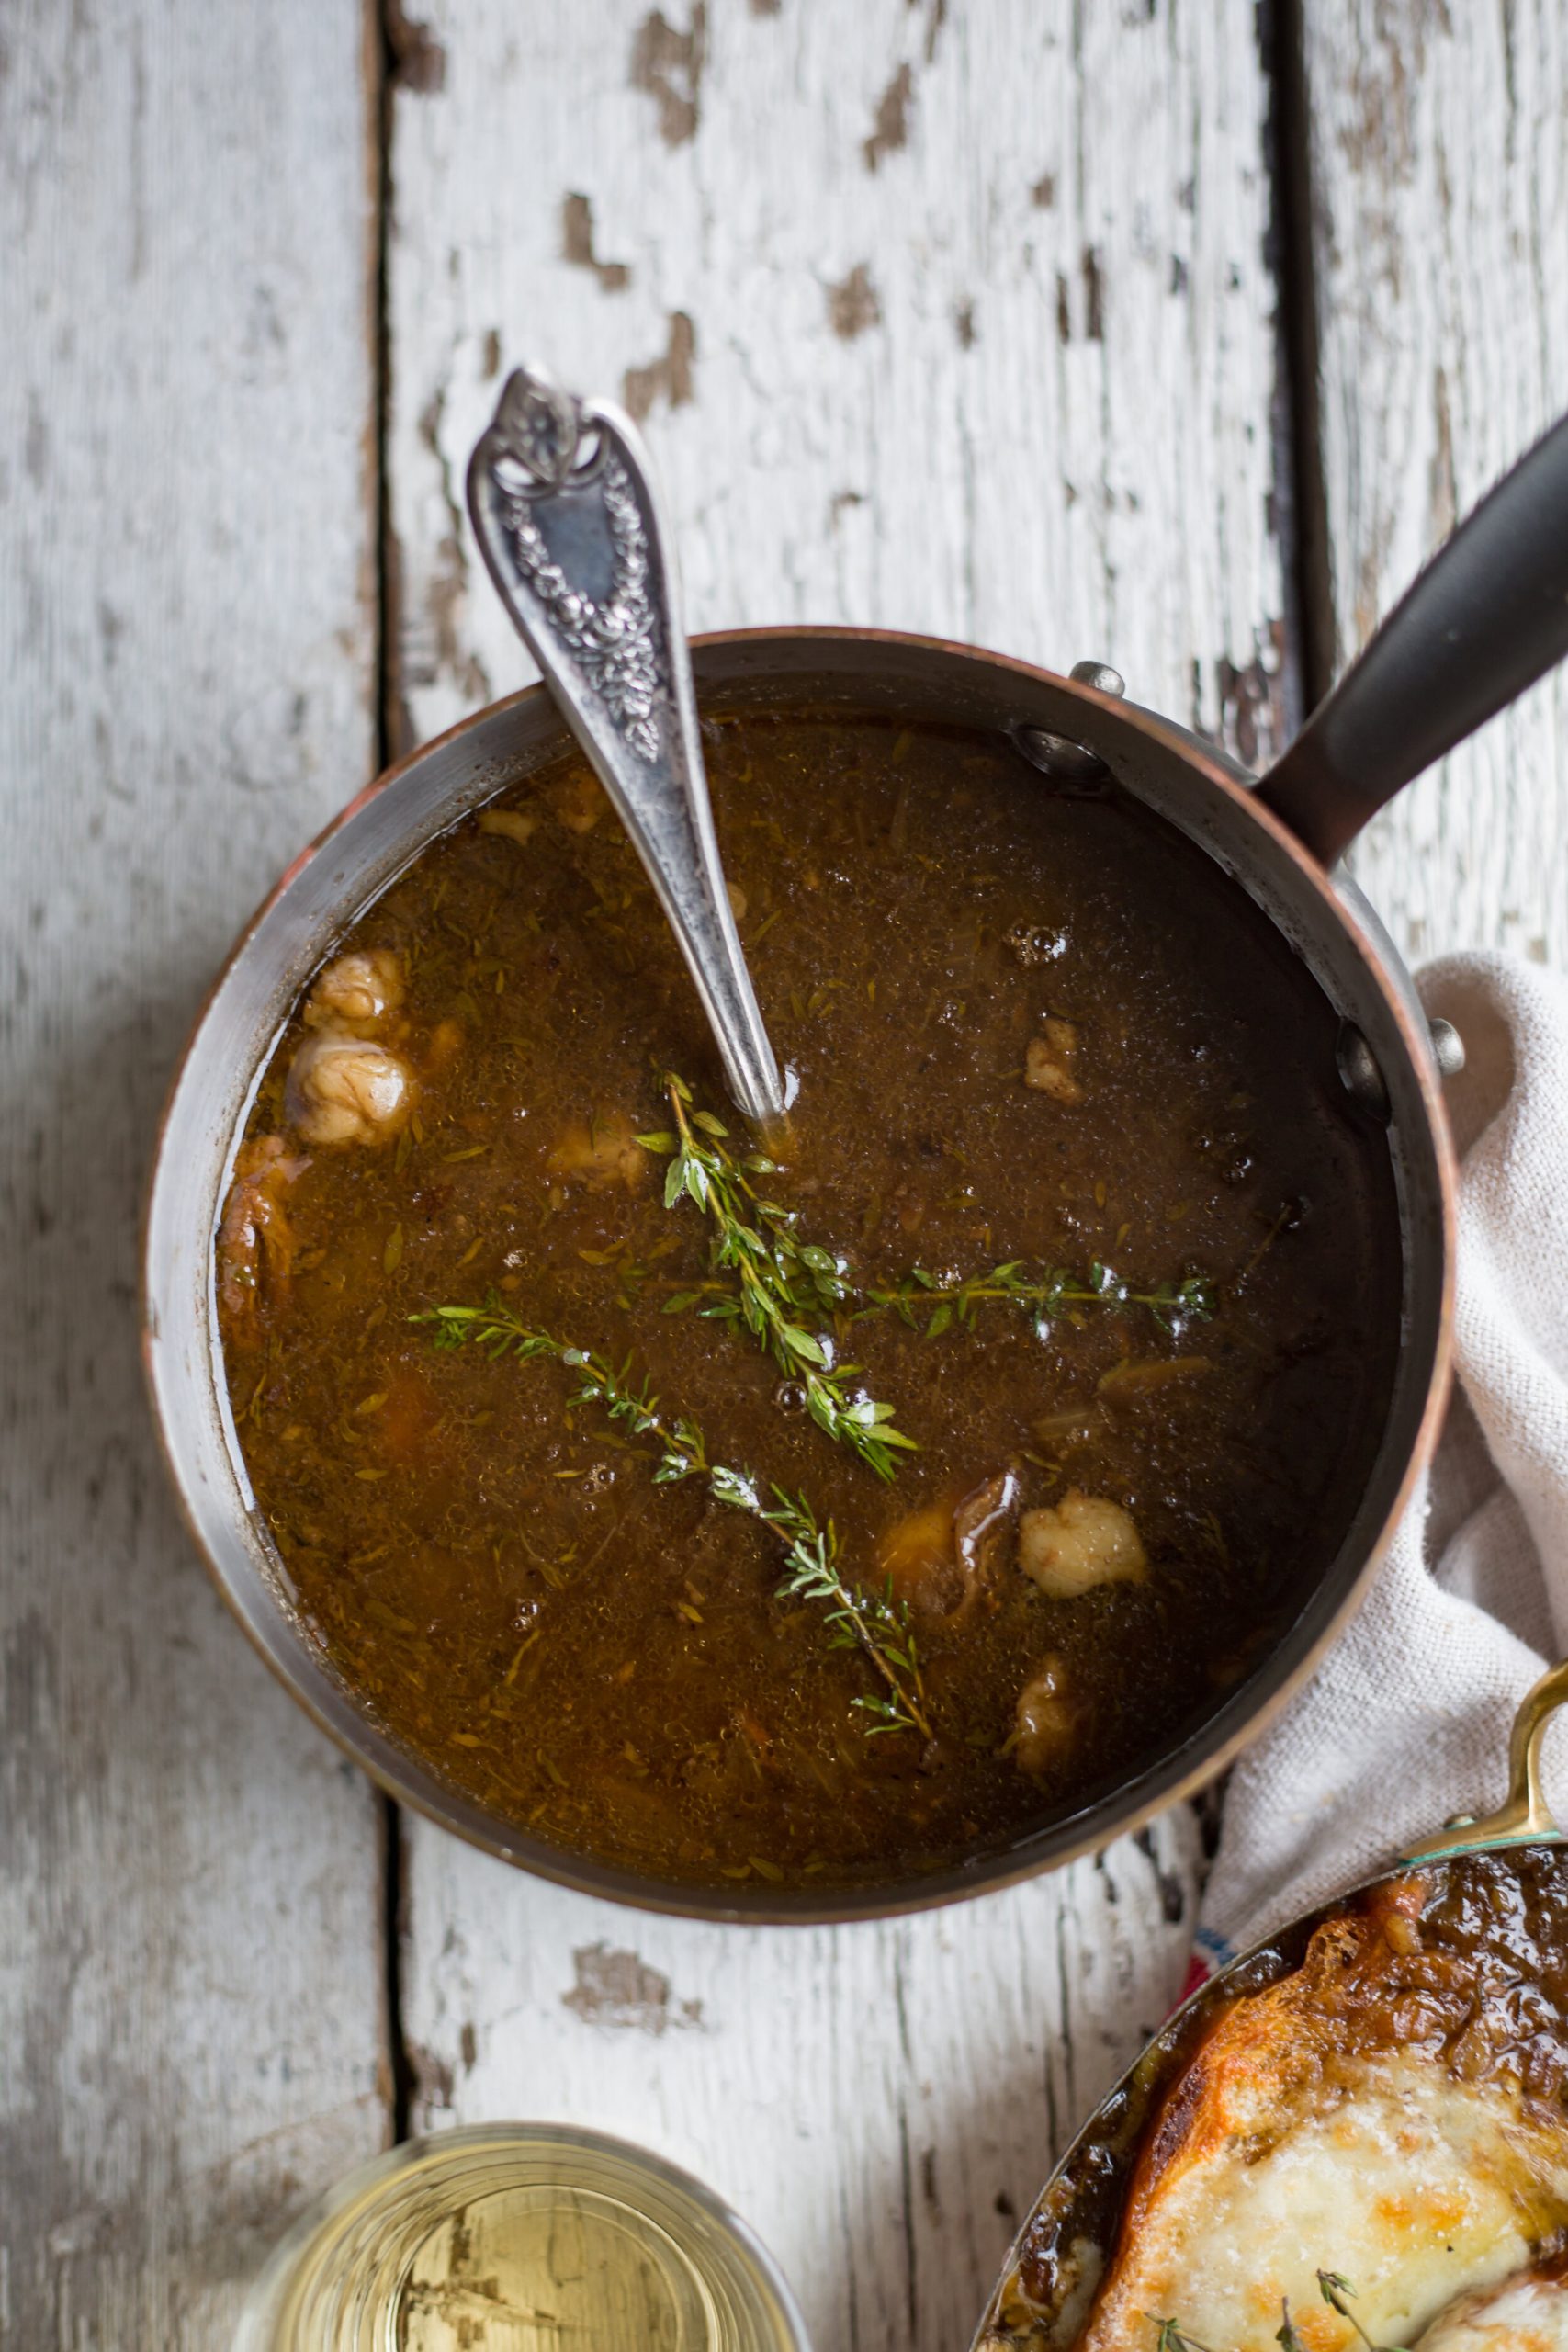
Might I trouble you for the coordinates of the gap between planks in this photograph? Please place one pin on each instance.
(397, 51)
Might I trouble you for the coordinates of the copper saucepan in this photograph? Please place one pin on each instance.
(1495, 607)
(1070, 2232)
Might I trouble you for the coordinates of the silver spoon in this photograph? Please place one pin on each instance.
(561, 504)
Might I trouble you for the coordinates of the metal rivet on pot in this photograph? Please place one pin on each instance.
(1099, 674)
(1448, 1048)
(1358, 1071)
(1069, 765)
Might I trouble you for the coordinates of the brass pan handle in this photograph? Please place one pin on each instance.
(1525, 1816)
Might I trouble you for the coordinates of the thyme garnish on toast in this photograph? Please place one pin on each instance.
(1171, 2336)
(1334, 2290)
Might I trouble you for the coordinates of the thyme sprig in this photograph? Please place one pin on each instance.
(781, 1283)
(1171, 2336)
(874, 1622)
(1042, 1291)
(1335, 2291)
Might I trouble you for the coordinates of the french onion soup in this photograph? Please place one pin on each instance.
(817, 1507)
(1364, 2142)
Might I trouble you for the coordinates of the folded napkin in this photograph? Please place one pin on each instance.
(1406, 1722)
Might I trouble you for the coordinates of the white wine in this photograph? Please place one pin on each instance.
(520, 2238)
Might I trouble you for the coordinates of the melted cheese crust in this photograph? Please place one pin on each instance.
(1294, 2143)
(1528, 2315)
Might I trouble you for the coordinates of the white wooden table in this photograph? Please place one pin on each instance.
(1071, 326)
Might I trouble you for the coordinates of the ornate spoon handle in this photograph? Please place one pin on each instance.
(561, 504)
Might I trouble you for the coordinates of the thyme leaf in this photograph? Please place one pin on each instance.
(874, 1622)
(781, 1285)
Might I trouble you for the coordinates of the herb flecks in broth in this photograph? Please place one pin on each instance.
(877, 1622)
(1116, 1502)
(780, 1280)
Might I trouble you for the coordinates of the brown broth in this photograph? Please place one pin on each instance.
(492, 1572)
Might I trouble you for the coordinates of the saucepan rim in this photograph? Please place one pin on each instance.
(734, 659)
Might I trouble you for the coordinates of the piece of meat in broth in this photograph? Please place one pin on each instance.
(600, 1153)
(358, 990)
(1069, 1547)
(1048, 1064)
(983, 1537)
(255, 1239)
(1047, 1719)
(948, 1557)
(345, 1088)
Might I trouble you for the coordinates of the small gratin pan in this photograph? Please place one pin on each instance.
(1504, 1878)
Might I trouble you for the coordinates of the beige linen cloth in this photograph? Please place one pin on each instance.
(1406, 1722)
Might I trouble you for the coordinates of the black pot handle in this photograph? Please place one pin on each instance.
(1485, 620)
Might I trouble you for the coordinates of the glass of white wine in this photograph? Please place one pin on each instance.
(519, 2237)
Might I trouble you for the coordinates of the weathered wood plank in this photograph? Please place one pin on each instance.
(924, 334)
(189, 1890)
(958, 321)
(1439, 155)
(882, 2102)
